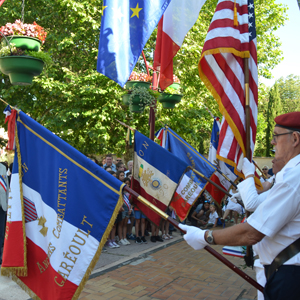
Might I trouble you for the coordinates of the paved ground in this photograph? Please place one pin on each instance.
(167, 270)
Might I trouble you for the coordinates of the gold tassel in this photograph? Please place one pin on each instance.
(235, 18)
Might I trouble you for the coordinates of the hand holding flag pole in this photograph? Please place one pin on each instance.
(207, 248)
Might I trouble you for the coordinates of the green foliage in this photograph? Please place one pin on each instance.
(274, 109)
(81, 106)
(41, 55)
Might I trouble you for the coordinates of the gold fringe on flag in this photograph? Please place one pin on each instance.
(235, 17)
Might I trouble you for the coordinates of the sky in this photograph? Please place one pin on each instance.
(289, 36)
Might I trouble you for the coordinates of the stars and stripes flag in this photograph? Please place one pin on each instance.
(231, 37)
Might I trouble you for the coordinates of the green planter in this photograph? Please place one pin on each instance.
(169, 100)
(125, 99)
(25, 42)
(131, 84)
(175, 86)
(136, 106)
(21, 69)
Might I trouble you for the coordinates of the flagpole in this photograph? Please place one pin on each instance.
(247, 108)
(207, 248)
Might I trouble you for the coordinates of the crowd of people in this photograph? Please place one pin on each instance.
(130, 217)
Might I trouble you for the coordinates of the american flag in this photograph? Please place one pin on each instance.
(221, 67)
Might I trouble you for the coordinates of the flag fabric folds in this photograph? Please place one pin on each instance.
(226, 169)
(156, 174)
(62, 207)
(126, 26)
(231, 37)
(187, 194)
(175, 23)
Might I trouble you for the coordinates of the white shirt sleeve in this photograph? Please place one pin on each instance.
(249, 194)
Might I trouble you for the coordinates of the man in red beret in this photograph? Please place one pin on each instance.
(275, 224)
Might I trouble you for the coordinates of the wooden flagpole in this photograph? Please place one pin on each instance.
(207, 248)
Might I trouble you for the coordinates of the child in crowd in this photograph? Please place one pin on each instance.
(213, 217)
(120, 175)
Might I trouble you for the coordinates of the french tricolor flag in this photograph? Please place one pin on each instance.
(59, 217)
(156, 174)
(175, 23)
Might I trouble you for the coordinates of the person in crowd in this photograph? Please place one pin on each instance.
(120, 175)
(129, 167)
(201, 213)
(107, 168)
(155, 234)
(265, 175)
(128, 174)
(165, 227)
(112, 173)
(119, 160)
(4, 190)
(213, 217)
(140, 226)
(235, 208)
(109, 162)
(272, 234)
(120, 167)
(130, 221)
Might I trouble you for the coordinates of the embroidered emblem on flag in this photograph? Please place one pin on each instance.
(29, 210)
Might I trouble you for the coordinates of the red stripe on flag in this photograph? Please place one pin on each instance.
(42, 279)
(152, 216)
(214, 191)
(13, 256)
(165, 50)
(181, 207)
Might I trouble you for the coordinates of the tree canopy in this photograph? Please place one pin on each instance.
(81, 106)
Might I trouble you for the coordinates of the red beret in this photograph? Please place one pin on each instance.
(289, 121)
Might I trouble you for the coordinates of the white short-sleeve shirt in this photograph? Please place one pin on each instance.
(278, 216)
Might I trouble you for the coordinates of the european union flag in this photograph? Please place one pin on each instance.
(125, 28)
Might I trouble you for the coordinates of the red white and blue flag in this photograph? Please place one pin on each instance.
(173, 26)
(226, 169)
(60, 216)
(156, 174)
(231, 37)
(191, 184)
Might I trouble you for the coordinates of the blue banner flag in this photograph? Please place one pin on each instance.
(125, 28)
(191, 185)
(156, 174)
(62, 207)
(182, 149)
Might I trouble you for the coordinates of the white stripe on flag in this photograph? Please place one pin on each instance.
(156, 184)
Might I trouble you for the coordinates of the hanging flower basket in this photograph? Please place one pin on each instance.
(20, 55)
(138, 80)
(132, 84)
(169, 100)
(25, 42)
(21, 69)
(136, 105)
